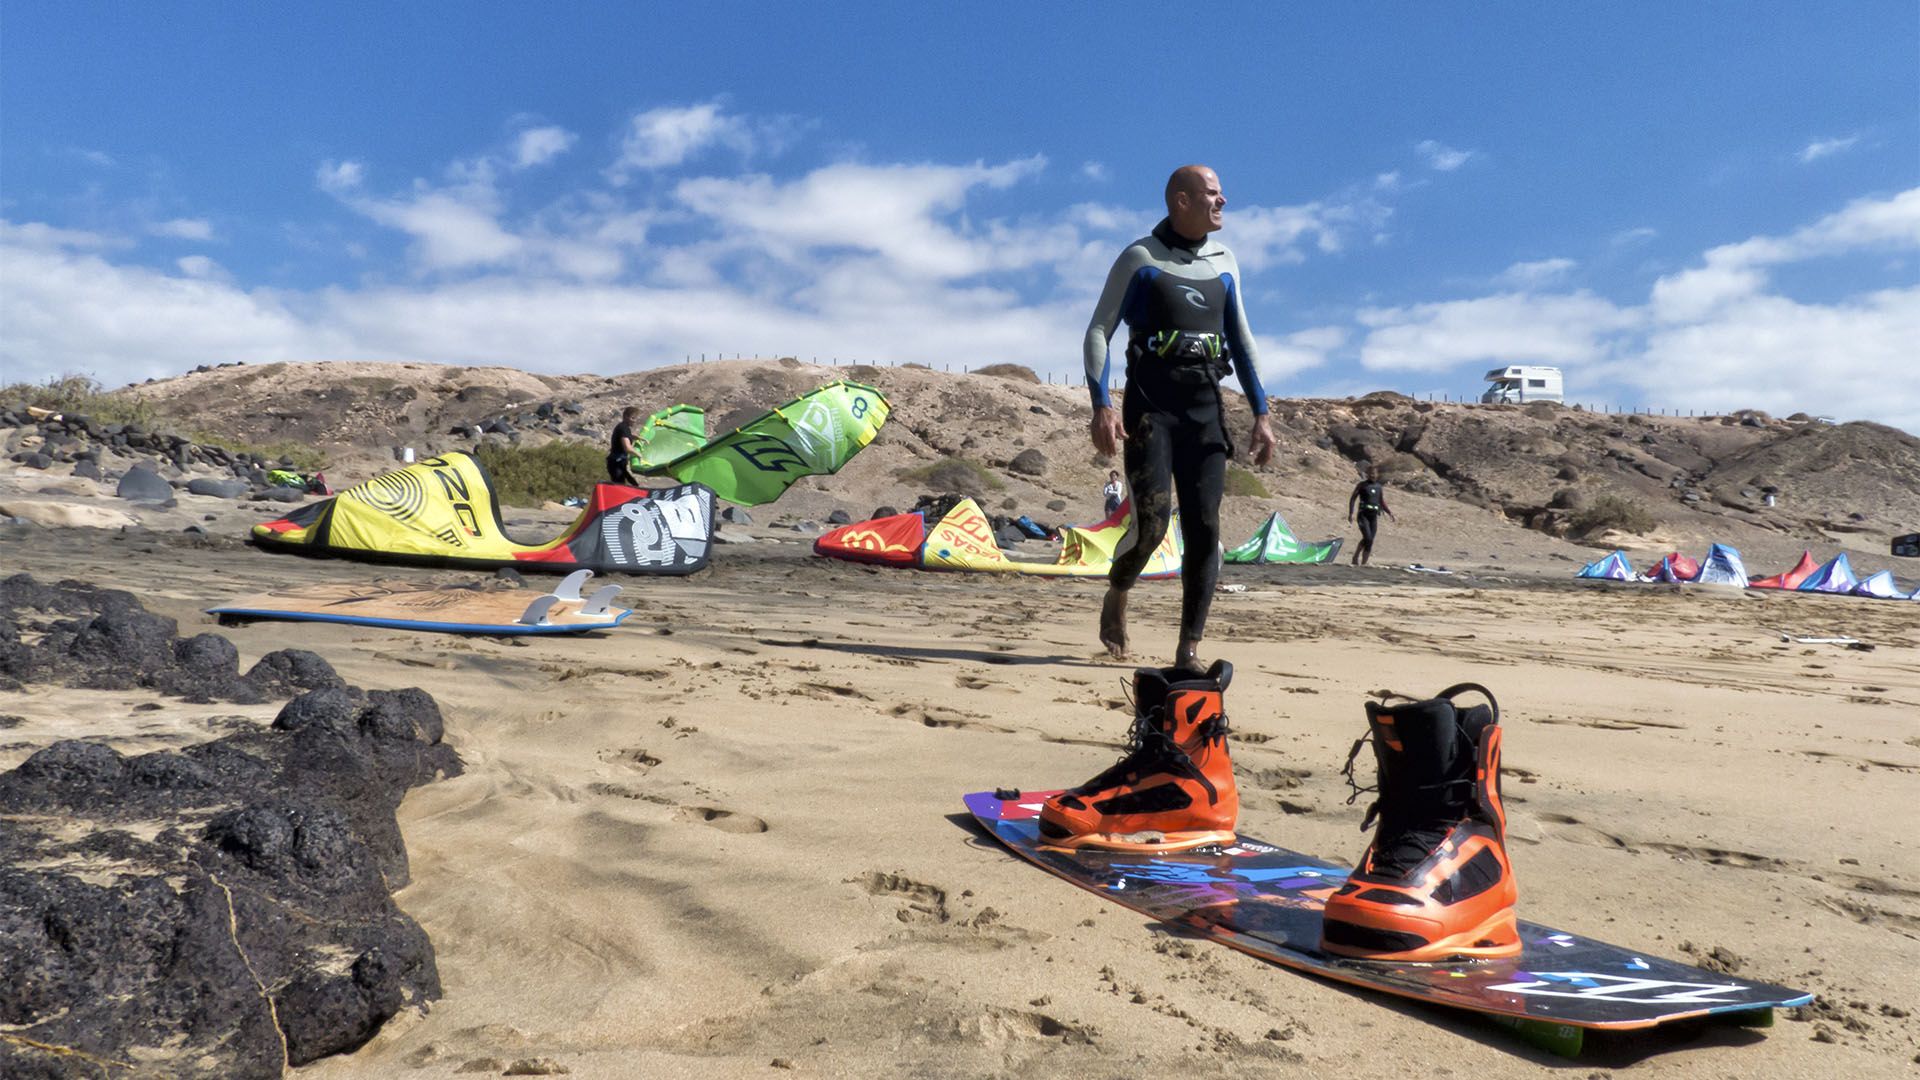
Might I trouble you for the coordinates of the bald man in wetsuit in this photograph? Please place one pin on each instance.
(1180, 295)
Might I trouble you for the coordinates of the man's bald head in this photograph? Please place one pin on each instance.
(1194, 201)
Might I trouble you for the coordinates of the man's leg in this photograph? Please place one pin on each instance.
(1147, 457)
(1200, 478)
(1369, 526)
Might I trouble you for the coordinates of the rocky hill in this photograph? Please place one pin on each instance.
(1524, 474)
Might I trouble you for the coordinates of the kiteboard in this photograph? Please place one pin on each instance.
(1267, 901)
(450, 609)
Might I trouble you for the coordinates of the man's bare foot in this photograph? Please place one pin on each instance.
(1113, 623)
(1187, 658)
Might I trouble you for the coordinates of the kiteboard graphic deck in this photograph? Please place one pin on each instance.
(1267, 901)
(454, 609)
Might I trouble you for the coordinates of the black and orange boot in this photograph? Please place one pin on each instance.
(1174, 790)
(1435, 883)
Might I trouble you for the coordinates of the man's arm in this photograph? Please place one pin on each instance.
(1106, 428)
(1107, 314)
(1351, 500)
(1246, 363)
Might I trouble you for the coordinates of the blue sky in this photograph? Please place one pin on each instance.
(1688, 205)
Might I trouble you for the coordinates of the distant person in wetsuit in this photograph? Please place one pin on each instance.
(1180, 295)
(620, 454)
(1113, 491)
(1370, 496)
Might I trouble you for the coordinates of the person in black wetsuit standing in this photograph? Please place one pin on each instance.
(1371, 498)
(1180, 295)
(620, 453)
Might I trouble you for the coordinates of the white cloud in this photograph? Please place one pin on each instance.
(1736, 271)
(79, 313)
(1531, 276)
(1441, 157)
(900, 262)
(338, 178)
(898, 212)
(1710, 337)
(36, 236)
(537, 146)
(1282, 235)
(1634, 237)
(1854, 358)
(1820, 148)
(1094, 170)
(200, 266)
(1289, 354)
(1507, 328)
(664, 137)
(183, 229)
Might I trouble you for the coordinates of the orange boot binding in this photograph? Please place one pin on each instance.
(1174, 790)
(1435, 883)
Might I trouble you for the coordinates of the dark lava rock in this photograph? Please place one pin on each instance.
(1028, 462)
(885, 511)
(219, 489)
(839, 517)
(103, 639)
(290, 671)
(221, 910)
(87, 468)
(141, 484)
(736, 515)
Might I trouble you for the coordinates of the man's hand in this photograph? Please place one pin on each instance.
(1263, 443)
(1107, 433)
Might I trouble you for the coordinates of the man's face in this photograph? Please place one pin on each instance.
(1198, 207)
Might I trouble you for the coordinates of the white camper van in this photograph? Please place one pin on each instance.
(1518, 385)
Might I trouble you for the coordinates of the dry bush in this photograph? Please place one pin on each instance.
(1242, 482)
(1016, 372)
(1610, 512)
(81, 395)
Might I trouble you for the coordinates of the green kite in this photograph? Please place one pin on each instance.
(668, 435)
(1273, 542)
(814, 434)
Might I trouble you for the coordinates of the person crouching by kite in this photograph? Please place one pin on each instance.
(620, 456)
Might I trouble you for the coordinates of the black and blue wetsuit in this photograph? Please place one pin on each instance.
(1371, 498)
(1186, 328)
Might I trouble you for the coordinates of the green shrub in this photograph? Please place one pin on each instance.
(969, 478)
(1610, 512)
(529, 476)
(1242, 482)
(83, 395)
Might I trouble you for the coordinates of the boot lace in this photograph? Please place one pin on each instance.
(1404, 849)
(1149, 747)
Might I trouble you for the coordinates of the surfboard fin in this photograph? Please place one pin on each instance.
(536, 613)
(602, 599)
(570, 586)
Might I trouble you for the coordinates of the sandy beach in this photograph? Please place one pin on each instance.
(727, 839)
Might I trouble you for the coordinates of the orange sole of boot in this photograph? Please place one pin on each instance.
(1147, 841)
(1494, 939)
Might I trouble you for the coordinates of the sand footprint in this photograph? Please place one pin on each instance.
(724, 820)
(633, 757)
(925, 903)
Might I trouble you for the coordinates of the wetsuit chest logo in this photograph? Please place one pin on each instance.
(1194, 296)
